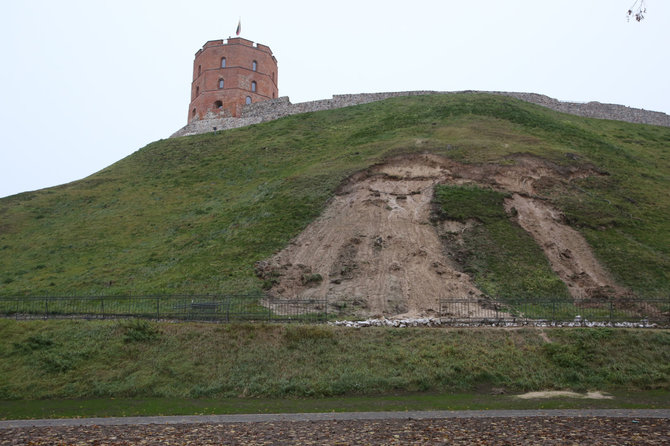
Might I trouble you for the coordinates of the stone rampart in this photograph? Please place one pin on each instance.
(277, 108)
(595, 109)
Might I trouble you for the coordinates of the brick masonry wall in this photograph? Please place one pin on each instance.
(277, 108)
(207, 95)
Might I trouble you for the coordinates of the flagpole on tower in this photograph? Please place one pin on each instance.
(239, 26)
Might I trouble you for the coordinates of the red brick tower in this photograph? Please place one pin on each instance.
(230, 74)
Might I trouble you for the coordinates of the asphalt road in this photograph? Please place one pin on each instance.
(338, 416)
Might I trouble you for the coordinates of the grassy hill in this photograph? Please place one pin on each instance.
(193, 214)
(140, 359)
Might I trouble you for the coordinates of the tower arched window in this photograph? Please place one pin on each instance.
(254, 65)
(248, 100)
(197, 91)
(193, 113)
(220, 84)
(253, 86)
(223, 62)
(218, 105)
(199, 69)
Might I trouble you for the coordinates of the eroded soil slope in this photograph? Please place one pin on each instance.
(374, 251)
(566, 249)
(374, 247)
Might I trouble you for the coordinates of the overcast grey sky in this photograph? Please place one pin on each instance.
(85, 83)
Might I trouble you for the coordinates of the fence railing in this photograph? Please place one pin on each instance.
(623, 310)
(228, 308)
(220, 308)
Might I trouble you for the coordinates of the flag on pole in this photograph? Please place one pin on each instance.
(239, 27)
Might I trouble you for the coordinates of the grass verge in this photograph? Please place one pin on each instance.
(126, 407)
(140, 359)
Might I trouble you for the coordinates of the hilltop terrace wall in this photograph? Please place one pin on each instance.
(276, 108)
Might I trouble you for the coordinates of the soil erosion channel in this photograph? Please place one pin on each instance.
(375, 252)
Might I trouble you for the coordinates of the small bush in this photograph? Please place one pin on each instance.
(139, 330)
(54, 362)
(306, 333)
(267, 284)
(33, 343)
(571, 356)
(311, 279)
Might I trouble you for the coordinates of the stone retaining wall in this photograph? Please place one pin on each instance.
(277, 108)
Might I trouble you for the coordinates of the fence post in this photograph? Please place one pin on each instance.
(611, 311)
(158, 307)
(553, 311)
(102, 306)
(46, 308)
(326, 311)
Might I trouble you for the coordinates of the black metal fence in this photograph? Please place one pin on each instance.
(229, 308)
(219, 308)
(623, 310)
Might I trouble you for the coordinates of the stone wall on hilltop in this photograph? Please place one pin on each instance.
(280, 107)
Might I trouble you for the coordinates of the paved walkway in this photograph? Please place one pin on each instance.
(338, 416)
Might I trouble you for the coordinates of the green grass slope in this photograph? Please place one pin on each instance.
(193, 214)
(136, 359)
(503, 259)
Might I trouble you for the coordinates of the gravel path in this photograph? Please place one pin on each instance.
(456, 431)
(604, 427)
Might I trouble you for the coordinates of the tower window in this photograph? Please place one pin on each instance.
(253, 86)
(197, 91)
(223, 62)
(199, 69)
(218, 105)
(193, 113)
(220, 83)
(254, 65)
(248, 101)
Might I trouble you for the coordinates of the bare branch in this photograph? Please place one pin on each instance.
(638, 10)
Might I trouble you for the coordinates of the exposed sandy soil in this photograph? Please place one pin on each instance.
(374, 252)
(565, 393)
(375, 248)
(568, 252)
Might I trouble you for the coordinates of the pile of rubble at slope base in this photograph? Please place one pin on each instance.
(437, 322)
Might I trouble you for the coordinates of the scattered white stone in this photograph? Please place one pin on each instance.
(437, 322)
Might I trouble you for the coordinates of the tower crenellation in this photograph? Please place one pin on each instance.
(229, 74)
